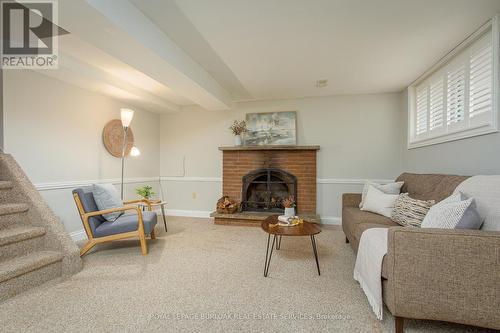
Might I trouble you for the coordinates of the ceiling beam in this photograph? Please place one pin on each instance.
(121, 30)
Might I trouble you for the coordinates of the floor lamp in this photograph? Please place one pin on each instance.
(126, 117)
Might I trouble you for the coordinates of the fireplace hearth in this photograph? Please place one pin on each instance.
(264, 190)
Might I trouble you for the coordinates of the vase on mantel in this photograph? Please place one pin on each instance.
(237, 140)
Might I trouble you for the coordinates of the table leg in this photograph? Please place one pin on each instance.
(278, 242)
(268, 262)
(164, 218)
(313, 243)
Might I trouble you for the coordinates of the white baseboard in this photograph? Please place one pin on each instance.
(78, 235)
(331, 220)
(189, 213)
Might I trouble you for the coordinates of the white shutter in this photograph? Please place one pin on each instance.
(455, 110)
(460, 96)
(421, 117)
(436, 105)
(481, 83)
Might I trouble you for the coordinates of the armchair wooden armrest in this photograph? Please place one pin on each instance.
(86, 216)
(113, 210)
(147, 202)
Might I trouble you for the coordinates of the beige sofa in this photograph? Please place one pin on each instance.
(436, 274)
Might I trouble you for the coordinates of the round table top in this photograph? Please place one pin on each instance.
(270, 226)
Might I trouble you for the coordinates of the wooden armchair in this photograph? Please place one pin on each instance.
(99, 230)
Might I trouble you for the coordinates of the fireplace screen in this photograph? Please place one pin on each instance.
(265, 189)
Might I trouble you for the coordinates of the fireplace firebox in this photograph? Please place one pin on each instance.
(265, 189)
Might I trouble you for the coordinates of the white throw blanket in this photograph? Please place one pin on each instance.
(368, 269)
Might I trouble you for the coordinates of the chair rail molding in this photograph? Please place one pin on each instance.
(354, 181)
(81, 183)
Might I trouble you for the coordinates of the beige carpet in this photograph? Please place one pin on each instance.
(200, 277)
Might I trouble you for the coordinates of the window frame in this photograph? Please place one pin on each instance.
(453, 59)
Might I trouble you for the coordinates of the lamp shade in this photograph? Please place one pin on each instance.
(127, 115)
(135, 152)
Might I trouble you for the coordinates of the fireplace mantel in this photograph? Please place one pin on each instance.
(246, 148)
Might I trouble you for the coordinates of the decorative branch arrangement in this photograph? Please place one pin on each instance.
(238, 127)
(289, 202)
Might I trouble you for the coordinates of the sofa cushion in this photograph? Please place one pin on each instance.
(355, 221)
(429, 186)
(127, 223)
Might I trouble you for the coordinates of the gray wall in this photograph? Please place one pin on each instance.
(359, 136)
(55, 134)
(1, 110)
(472, 156)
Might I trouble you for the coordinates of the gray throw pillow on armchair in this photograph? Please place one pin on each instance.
(106, 197)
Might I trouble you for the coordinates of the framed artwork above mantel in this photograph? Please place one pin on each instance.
(271, 128)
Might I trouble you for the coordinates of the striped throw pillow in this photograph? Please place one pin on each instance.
(410, 212)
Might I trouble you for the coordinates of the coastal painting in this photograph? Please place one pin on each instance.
(272, 128)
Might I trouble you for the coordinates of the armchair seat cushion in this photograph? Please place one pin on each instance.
(126, 223)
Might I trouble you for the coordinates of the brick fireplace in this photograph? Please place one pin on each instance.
(297, 164)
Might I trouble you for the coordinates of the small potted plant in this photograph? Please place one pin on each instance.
(289, 205)
(146, 192)
(238, 127)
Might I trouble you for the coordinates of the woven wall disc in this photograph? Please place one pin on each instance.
(112, 137)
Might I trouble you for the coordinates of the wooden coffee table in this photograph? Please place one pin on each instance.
(270, 225)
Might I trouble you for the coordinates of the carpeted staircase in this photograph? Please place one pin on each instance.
(34, 247)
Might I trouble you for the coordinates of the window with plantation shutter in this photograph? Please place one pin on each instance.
(436, 105)
(455, 110)
(458, 98)
(481, 82)
(421, 111)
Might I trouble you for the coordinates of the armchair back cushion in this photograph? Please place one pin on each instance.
(89, 205)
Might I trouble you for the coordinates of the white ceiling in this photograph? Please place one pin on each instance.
(279, 48)
(164, 55)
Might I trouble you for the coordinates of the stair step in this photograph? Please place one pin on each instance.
(18, 234)
(5, 185)
(13, 208)
(28, 263)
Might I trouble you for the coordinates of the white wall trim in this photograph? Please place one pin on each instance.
(80, 183)
(189, 213)
(355, 181)
(192, 179)
(78, 235)
(331, 220)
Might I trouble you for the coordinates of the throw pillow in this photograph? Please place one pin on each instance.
(410, 212)
(389, 188)
(453, 213)
(106, 197)
(378, 202)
